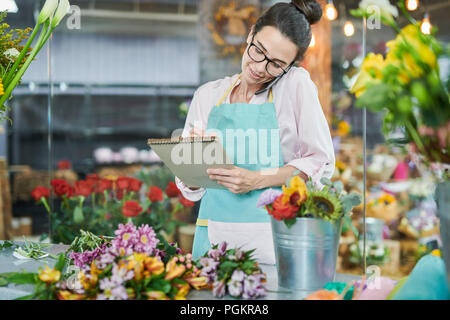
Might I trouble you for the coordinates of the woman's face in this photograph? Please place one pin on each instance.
(275, 46)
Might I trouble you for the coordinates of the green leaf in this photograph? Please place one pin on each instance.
(375, 98)
(3, 282)
(339, 186)
(161, 285)
(21, 277)
(326, 182)
(61, 262)
(43, 237)
(228, 266)
(28, 297)
(289, 222)
(78, 215)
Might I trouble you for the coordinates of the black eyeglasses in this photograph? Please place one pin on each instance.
(272, 68)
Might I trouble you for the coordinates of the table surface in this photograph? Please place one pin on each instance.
(8, 263)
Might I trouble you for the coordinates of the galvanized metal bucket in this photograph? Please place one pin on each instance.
(374, 229)
(306, 254)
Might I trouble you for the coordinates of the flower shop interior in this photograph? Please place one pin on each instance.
(74, 157)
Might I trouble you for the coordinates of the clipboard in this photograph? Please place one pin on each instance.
(189, 158)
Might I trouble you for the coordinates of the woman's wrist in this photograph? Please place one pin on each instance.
(276, 177)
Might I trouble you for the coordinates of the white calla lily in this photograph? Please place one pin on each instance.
(63, 9)
(47, 11)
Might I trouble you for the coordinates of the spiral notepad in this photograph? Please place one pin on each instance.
(189, 158)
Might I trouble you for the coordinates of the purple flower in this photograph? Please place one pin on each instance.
(119, 293)
(121, 275)
(268, 197)
(238, 275)
(214, 254)
(254, 287)
(219, 288)
(208, 264)
(235, 288)
(222, 248)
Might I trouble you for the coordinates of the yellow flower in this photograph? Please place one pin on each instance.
(136, 263)
(340, 165)
(343, 128)
(410, 35)
(2, 92)
(386, 199)
(371, 72)
(296, 184)
(174, 270)
(48, 275)
(183, 290)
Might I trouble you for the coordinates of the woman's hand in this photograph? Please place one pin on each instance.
(237, 180)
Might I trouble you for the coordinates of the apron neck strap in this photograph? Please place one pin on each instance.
(231, 88)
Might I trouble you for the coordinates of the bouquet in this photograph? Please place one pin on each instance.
(99, 205)
(233, 272)
(133, 265)
(14, 58)
(384, 207)
(303, 200)
(406, 86)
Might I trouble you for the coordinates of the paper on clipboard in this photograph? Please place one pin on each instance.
(189, 158)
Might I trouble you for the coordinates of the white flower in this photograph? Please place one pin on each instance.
(386, 8)
(47, 10)
(63, 9)
(11, 54)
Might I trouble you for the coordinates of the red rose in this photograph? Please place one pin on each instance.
(104, 185)
(40, 192)
(155, 194)
(123, 183)
(283, 211)
(61, 187)
(172, 190)
(64, 165)
(131, 209)
(93, 181)
(185, 202)
(119, 194)
(135, 184)
(83, 188)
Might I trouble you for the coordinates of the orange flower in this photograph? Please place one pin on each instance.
(198, 283)
(154, 266)
(48, 275)
(156, 295)
(67, 295)
(173, 270)
(296, 184)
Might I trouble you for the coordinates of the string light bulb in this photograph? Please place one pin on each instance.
(412, 5)
(349, 29)
(426, 26)
(330, 11)
(313, 41)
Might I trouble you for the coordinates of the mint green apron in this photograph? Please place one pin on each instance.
(235, 217)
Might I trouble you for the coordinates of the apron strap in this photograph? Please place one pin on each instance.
(231, 88)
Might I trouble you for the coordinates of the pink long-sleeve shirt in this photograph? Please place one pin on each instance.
(305, 136)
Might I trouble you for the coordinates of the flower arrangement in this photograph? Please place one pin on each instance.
(406, 85)
(377, 253)
(233, 272)
(131, 266)
(99, 205)
(304, 200)
(15, 58)
(384, 207)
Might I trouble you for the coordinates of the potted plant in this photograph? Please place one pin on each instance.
(306, 225)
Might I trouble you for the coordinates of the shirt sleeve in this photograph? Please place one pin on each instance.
(315, 153)
(198, 119)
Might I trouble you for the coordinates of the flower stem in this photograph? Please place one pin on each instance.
(44, 202)
(22, 70)
(10, 74)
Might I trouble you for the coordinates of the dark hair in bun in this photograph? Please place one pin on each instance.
(293, 20)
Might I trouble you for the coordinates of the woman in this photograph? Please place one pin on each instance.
(270, 95)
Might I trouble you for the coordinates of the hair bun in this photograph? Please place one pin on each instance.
(310, 8)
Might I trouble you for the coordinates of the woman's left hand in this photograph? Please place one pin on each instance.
(237, 180)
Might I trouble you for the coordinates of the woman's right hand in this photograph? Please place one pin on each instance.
(196, 132)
